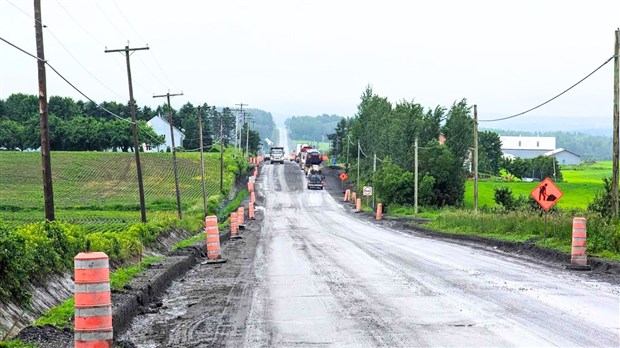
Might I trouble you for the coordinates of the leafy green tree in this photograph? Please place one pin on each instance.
(63, 107)
(21, 107)
(489, 152)
(447, 170)
(338, 138)
(12, 134)
(253, 139)
(459, 130)
(393, 184)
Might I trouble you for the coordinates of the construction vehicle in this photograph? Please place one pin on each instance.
(276, 154)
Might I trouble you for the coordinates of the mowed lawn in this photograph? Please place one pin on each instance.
(579, 186)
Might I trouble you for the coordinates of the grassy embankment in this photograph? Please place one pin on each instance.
(580, 185)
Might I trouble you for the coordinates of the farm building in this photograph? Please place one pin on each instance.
(531, 147)
(162, 127)
(526, 147)
(564, 157)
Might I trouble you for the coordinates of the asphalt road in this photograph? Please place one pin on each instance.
(315, 275)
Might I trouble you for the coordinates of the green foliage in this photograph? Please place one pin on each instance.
(189, 241)
(59, 316)
(122, 276)
(602, 203)
(16, 344)
(489, 152)
(232, 205)
(503, 196)
(393, 184)
(426, 194)
(522, 225)
(390, 130)
(33, 252)
(539, 167)
(448, 172)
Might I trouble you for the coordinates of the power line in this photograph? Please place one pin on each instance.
(68, 51)
(550, 100)
(79, 91)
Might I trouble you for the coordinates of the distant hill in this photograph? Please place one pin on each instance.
(590, 147)
(312, 128)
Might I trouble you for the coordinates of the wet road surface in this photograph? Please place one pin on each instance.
(315, 275)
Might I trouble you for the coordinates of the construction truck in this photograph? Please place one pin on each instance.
(276, 154)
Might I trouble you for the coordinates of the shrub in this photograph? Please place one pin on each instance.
(503, 196)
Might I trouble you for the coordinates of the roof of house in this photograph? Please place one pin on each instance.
(527, 143)
(558, 150)
(166, 122)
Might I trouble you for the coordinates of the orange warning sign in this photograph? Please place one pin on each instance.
(547, 194)
(343, 176)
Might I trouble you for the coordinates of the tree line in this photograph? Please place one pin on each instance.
(312, 128)
(445, 140)
(86, 126)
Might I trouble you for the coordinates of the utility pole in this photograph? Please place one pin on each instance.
(614, 180)
(134, 126)
(174, 151)
(46, 160)
(415, 184)
(247, 135)
(475, 158)
(221, 152)
(237, 132)
(202, 165)
(374, 169)
(358, 165)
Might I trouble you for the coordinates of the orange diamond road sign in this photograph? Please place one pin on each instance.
(343, 176)
(547, 194)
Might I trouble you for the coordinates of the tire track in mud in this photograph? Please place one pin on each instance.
(205, 308)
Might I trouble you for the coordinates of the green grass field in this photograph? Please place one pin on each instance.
(579, 186)
(102, 187)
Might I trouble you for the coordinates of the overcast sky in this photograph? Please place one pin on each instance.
(312, 57)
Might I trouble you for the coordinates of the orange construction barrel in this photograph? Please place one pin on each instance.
(93, 302)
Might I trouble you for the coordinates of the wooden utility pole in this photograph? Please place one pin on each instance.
(46, 160)
(134, 126)
(614, 180)
(174, 151)
(202, 166)
(247, 135)
(221, 152)
(415, 185)
(475, 160)
(237, 132)
(374, 170)
(358, 166)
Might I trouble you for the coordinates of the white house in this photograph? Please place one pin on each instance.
(162, 127)
(530, 147)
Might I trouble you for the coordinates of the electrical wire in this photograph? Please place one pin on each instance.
(48, 30)
(550, 100)
(79, 91)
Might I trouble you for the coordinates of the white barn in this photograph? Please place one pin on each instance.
(526, 147)
(531, 147)
(162, 127)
